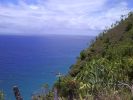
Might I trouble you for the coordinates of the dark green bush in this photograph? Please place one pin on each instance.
(82, 55)
(129, 27)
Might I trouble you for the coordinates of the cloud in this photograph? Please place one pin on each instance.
(81, 17)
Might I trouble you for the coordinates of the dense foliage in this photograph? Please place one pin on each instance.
(104, 71)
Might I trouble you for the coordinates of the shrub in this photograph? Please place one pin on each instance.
(82, 55)
(129, 27)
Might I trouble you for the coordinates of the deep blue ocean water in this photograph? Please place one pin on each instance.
(30, 61)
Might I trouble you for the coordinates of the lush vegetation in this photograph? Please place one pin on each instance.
(104, 71)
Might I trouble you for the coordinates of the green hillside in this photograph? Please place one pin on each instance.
(104, 71)
(111, 43)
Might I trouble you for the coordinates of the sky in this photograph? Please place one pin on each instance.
(65, 17)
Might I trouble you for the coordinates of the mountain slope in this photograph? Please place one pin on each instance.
(120, 34)
(104, 71)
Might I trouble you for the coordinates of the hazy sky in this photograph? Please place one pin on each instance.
(75, 17)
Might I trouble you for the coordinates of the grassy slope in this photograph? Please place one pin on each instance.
(108, 61)
(111, 39)
(101, 67)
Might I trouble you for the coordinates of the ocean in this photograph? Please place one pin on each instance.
(31, 61)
